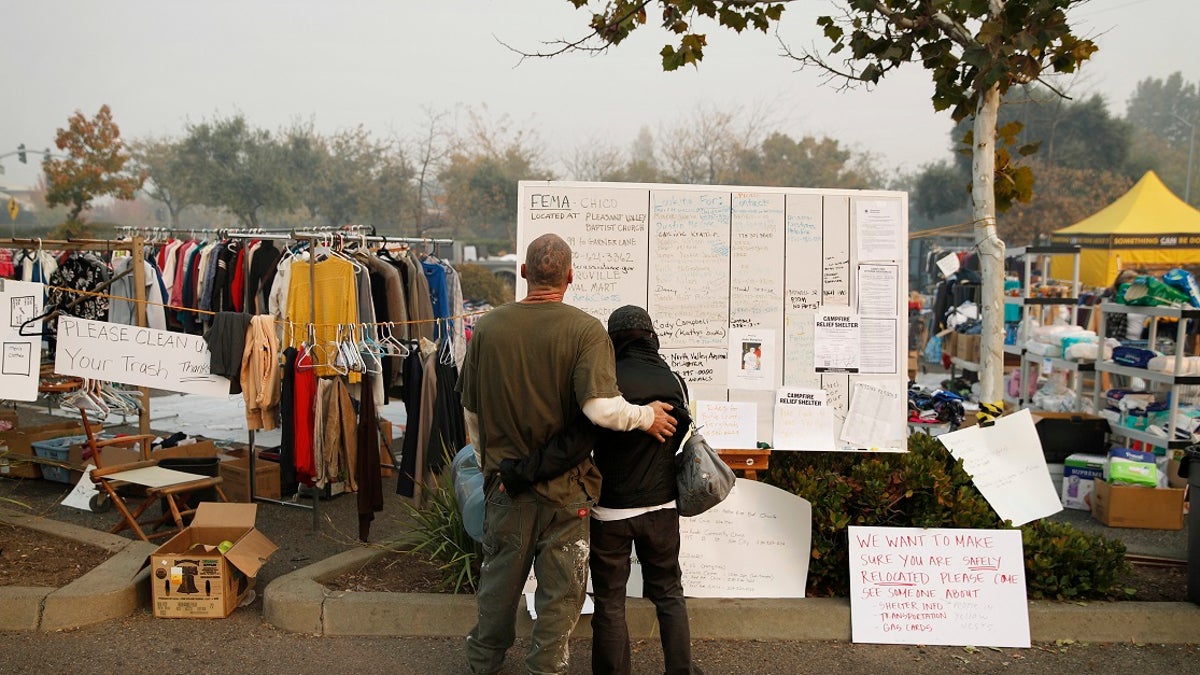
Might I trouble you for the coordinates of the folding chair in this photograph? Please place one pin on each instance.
(170, 486)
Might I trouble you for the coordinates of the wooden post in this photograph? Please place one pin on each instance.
(138, 251)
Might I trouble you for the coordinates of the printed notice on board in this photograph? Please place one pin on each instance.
(876, 418)
(837, 340)
(803, 420)
(938, 587)
(878, 289)
(20, 355)
(878, 229)
(752, 358)
(877, 350)
(143, 357)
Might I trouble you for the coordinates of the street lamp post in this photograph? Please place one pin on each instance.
(1187, 183)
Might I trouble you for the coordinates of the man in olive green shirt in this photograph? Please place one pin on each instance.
(534, 368)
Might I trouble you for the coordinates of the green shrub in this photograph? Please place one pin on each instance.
(437, 530)
(479, 284)
(927, 487)
(1064, 563)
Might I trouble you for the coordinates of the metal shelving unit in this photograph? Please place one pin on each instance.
(1031, 305)
(1183, 318)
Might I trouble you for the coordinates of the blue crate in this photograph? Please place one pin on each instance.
(59, 450)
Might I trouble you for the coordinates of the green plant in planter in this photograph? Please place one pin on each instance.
(927, 487)
(438, 531)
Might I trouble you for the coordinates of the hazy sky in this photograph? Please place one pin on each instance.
(161, 63)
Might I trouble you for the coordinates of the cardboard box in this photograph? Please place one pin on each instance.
(115, 455)
(235, 478)
(190, 578)
(950, 344)
(20, 450)
(386, 440)
(1079, 470)
(203, 448)
(1141, 507)
(109, 456)
(968, 347)
(1064, 434)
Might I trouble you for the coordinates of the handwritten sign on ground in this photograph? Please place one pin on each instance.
(1007, 465)
(938, 587)
(755, 544)
(143, 357)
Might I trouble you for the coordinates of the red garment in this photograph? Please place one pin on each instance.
(303, 414)
(238, 286)
(162, 253)
(176, 290)
(7, 269)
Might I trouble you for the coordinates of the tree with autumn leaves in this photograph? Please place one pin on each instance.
(93, 167)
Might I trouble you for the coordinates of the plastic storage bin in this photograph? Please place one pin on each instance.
(59, 450)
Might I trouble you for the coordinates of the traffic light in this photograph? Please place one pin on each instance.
(21, 153)
(46, 159)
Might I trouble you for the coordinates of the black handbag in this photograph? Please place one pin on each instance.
(703, 479)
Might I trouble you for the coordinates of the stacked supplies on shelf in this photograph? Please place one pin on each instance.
(1150, 412)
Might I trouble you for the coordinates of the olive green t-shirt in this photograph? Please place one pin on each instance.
(528, 370)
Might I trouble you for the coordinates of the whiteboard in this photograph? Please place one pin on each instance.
(711, 262)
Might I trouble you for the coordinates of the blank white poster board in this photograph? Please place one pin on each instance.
(735, 279)
(938, 587)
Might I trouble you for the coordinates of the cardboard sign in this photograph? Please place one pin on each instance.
(143, 357)
(1007, 465)
(938, 587)
(755, 544)
(20, 355)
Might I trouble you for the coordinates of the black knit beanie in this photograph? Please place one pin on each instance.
(629, 317)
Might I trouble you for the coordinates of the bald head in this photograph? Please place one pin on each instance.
(548, 262)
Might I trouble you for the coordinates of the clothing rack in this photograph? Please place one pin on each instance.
(311, 236)
(136, 245)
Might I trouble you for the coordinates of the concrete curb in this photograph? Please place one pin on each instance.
(113, 589)
(297, 602)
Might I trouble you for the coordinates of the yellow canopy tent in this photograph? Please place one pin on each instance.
(1148, 228)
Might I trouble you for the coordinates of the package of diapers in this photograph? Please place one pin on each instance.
(1131, 467)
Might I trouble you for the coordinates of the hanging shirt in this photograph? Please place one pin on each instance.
(335, 296)
(226, 343)
(122, 310)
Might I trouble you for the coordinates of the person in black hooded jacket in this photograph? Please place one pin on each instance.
(636, 509)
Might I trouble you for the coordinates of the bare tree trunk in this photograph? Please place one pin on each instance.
(990, 250)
